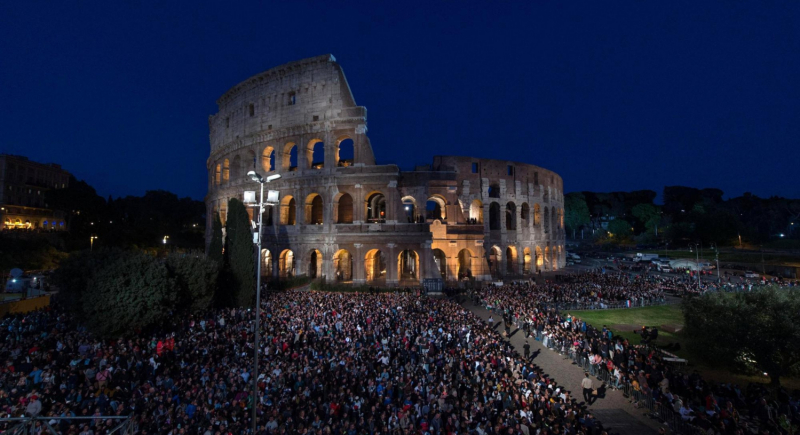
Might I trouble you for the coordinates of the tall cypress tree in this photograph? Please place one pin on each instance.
(239, 255)
(215, 248)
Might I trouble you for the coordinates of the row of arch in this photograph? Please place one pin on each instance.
(375, 262)
(226, 170)
(408, 263)
(553, 217)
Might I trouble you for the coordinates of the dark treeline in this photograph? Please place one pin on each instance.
(131, 221)
(687, 214)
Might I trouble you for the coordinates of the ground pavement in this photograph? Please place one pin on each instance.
(613, 410)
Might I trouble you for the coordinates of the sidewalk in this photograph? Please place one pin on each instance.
(613, 410)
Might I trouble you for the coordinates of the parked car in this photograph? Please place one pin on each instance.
(751, 274)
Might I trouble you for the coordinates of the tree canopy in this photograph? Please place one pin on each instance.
(576, 211)
(759, 329)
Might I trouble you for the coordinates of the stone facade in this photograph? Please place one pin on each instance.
(23, 185)
(345, 218)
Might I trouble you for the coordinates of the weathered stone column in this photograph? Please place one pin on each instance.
(358, 265)
(392, 273)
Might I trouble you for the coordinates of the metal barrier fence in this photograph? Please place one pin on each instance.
(642, 399)
(41, 425)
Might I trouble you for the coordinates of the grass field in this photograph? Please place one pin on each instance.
(667, 315)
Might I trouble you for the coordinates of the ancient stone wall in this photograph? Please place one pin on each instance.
(342, 217)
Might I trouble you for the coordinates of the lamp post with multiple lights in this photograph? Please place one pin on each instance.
(257, 330)
(91, 242)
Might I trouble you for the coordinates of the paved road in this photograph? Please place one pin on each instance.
(614, 410)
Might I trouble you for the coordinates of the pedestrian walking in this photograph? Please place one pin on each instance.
(527, 348)
(588, 388)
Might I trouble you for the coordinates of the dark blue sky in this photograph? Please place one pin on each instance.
(637, 95)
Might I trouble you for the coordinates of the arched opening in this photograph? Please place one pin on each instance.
(218, 175)
(268, 159)
(511, 260)
(524, 215)
(375, 265)
(554, 218)
(290, 157)
(288, 210)
(546, 220)
(511, 216)
(286, 264)
(343, 207)
(314, 264)
(554, 259)
(408, 265)
(313, 209)
(526, 261)
(343, 265)
(375, 207)
(494, 190)
(546, 258)
(435, 208)
(268, 219)
(561, 218)
(546, 195)
(494, 261)
(464, 263)
(249, 163)
(441, 262)
(236, 168)
(476, 212)
(345, 152)
(494, 216)
(410, 209)
(315, 153)
(266, 262)
(539, 258)
(223, 212)
(226, 171)
(537, 215)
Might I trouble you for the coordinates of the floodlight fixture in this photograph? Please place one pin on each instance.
(255, 176)
(273, 177)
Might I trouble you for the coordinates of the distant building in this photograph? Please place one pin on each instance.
(23, 184)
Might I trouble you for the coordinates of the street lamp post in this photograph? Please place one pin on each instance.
(91, 243)
(697, 263)
(256, 332)
(716, 253)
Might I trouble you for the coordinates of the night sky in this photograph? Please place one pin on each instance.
(634, 96)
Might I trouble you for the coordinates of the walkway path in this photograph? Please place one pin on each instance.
(613, 410)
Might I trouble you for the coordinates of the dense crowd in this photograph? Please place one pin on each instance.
(389, 363)
(715, 408)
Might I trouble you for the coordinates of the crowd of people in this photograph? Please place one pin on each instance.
(331, 363)
(720, 408)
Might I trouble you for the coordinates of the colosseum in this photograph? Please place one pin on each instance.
(341, 217)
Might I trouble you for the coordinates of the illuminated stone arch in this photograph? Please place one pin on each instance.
(266, 262)
(408, 265)
(315, 153)
(343, 265)
(314, 209)
(374, 265)
(218, 174)
(527, 261)
(409, 208)
(495, 257)
(465, 257)
(511, 260)
(286, 266)
(288, 210)
(539, 258)
(343, 208)
(226, 171)
(268, 159)
(314, 263)
(436, 208)
(537, 215)
(290, 156)
(345, 151)
(440, 259)
(375, 207)
(476, 211)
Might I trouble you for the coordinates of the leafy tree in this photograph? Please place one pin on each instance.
(759, 328)
(239, 255)
(576, 211)
(196, 280)
(133, 291)
(648, 214)
(619, 228)
(215, 248)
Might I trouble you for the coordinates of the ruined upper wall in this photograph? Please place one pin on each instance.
(311, 91)
(499, 170)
